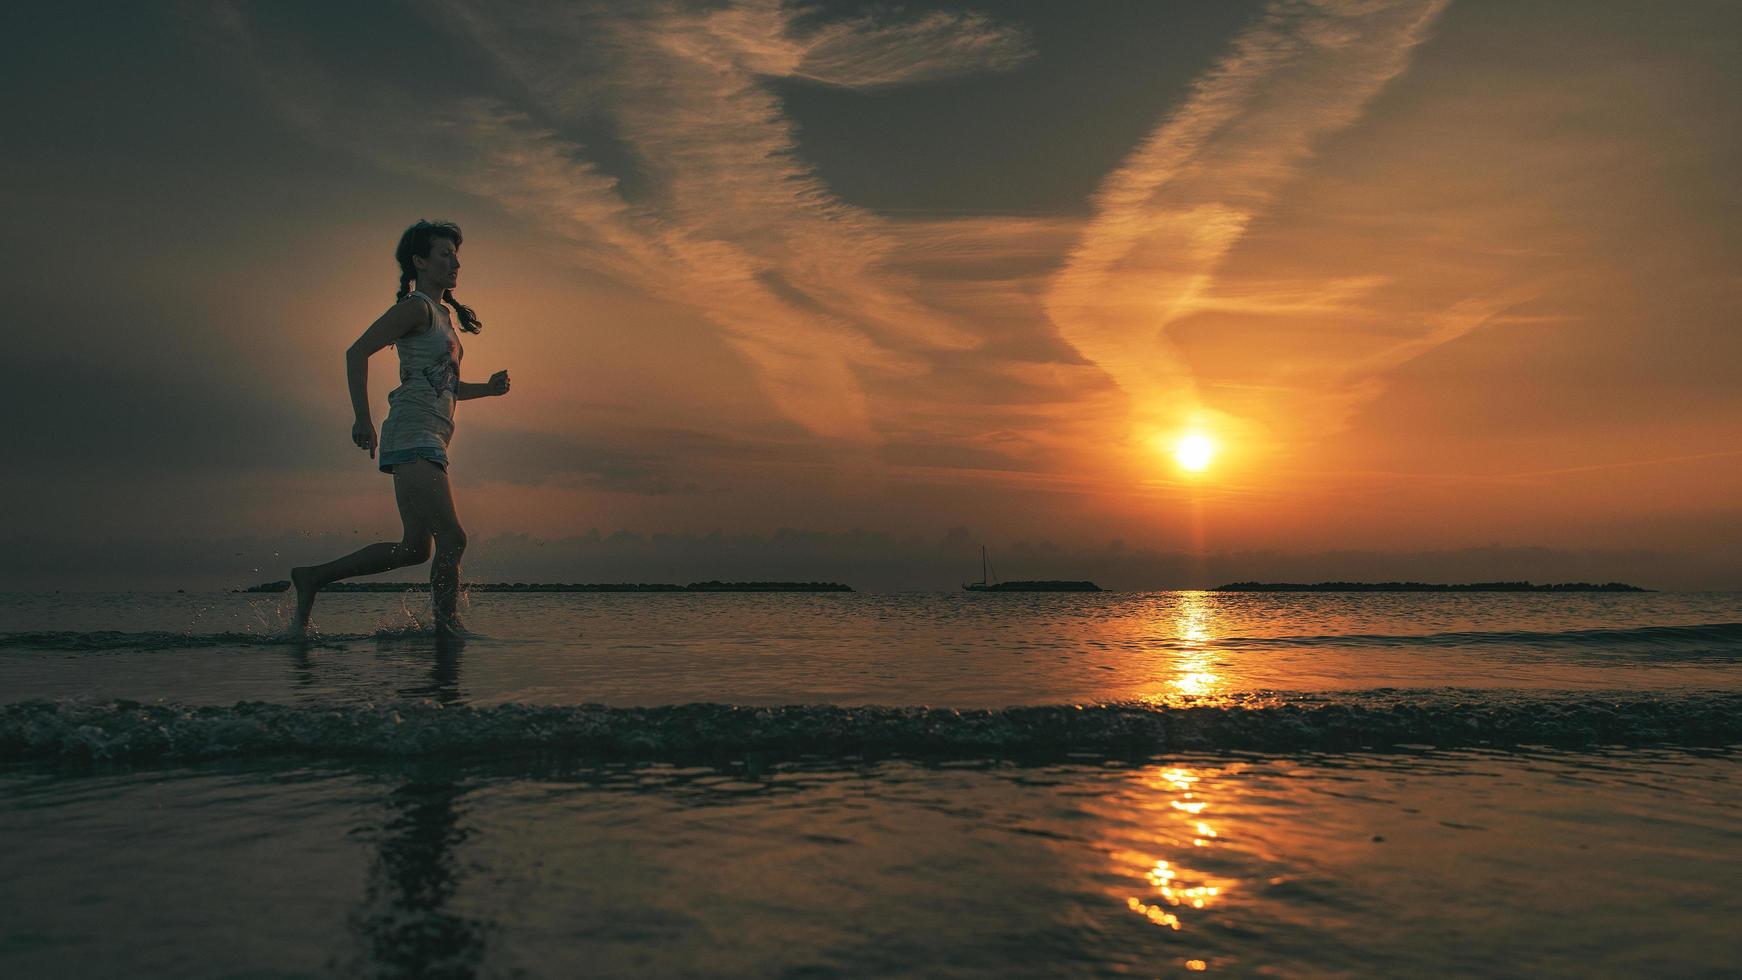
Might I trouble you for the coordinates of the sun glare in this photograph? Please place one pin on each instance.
(1194, 451)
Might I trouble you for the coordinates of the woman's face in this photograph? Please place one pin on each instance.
(443, 265)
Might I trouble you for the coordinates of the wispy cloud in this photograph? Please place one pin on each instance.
(737, 226)
(1166, 219)
(866, 53)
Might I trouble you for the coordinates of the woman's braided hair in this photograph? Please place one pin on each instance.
(417, 241)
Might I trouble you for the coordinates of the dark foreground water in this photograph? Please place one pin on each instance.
(925, 785)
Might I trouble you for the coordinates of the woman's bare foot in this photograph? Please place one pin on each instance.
(303, 581)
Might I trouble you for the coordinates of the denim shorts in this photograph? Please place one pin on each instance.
(434, 454)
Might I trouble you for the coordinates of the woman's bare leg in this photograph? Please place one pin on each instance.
(430, 498)
(434, 498)
(412, 549)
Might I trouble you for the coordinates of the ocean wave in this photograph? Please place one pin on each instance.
(1711, 639)
(1717, 638)
(97, 641)
(1355, 721)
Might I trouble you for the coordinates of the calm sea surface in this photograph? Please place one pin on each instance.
(891, 785)
(958, 650)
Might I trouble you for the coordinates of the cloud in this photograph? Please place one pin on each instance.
(541, 458)
(798, 280)
(1166, 219)
(866, 560)
(733, 224)
(866, 53)
(92, 420)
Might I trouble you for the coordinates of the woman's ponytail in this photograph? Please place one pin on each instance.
(469, 321)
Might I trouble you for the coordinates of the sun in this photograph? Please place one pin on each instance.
(1194, 451)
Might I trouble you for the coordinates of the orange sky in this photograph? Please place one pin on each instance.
(1435, 276)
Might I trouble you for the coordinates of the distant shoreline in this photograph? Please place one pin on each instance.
(284, 586)
(716, 586)
(1426, 587)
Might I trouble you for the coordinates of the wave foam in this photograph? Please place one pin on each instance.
(1275, 722)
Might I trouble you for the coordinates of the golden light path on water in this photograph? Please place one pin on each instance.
(1170, 888)
(1195, 655)
(1169, 882)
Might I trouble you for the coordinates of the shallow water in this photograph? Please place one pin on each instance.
(1111, 785)
(1614, 863)
(959, 650)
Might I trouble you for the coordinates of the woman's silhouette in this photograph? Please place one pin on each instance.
(420, 422)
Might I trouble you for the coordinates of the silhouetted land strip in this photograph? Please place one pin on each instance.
(1426, 587)
(1038, 586)
(715, 586)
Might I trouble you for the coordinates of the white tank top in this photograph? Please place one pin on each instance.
(421, 410)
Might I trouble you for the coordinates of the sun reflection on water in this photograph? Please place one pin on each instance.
(1195, 655)
(1172, 889)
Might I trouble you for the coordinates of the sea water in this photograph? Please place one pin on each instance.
(856, 784)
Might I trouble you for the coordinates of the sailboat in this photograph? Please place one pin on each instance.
(988, 578)
(989, 582)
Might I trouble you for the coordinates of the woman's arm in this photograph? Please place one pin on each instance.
(402, 319)
(497, 385)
